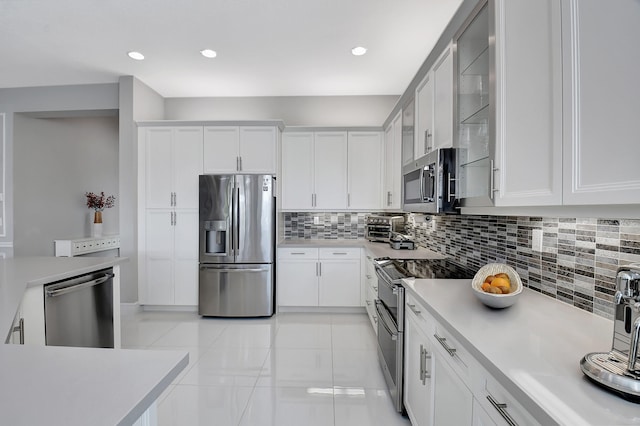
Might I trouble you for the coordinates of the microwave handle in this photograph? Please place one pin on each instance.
(421, 183)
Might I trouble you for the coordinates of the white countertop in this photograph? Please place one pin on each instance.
(376, 249)
(73, 386)
(48, 385)
(533, 349)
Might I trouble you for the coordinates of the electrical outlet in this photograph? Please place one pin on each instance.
(536, 240)
(316, 220)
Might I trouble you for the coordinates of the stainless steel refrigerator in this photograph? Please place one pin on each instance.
(237, 245)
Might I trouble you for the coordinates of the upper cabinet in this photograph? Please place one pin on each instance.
(601, 101)
(434, 107)
(508, 104)
(331, 170)
(173, 159)
(240, 149)
(407, 131)
(392, 190)
(364, 170)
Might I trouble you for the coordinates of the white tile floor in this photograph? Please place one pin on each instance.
(291, 369)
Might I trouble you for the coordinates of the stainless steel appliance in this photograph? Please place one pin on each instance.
(390, 309)
(380, 228)
(79, 311)
(401, 242)
(619, 369)
(237, 246)
(429, 183)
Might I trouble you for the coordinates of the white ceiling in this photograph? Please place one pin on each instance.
(265, 47)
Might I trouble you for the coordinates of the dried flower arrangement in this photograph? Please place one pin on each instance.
(99, 202)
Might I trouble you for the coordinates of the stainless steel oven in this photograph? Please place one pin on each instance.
(390, 310)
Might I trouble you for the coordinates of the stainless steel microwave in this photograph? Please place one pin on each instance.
(429, 183)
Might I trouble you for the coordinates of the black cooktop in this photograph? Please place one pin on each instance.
(397, 269)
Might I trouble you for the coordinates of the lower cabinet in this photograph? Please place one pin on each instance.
(328, 277)
(444, 385)
(169, 264)
(418, 367)
(453, 401)
(369, 288)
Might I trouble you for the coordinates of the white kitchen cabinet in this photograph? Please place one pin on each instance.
(443, 101)
(452, 400)
(498, 404)
(173, 161)
(330, 170)
(170, 258)
(369, 288)
(314, 171)
(364, 170)
(480, 415)
(600, 135)
(393, 164)
(240, 149)
(311, 277)
(297, 270)
(424, 116)
(297, 171)
(418, 370)
(509, 128)
(170, 161)
(434, 107)
(528, 154)
(339, 277)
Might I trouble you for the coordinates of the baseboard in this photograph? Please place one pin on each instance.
(169, 308)
(323, 309)
(130, 308)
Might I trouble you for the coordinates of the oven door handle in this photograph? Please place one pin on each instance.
(383, 315)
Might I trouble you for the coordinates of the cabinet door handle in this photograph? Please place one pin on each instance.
(450, 193)
(238, 163)
(492, 179)
(388, 198)
(20, 328)
(413, 308)
(427, 135)
(443, 342)
(320, 268)
(175, 199)
(424, 373)
(240, 169)
(348, 200)
(502, 409)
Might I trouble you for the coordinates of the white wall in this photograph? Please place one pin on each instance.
(293, 110)
(137, 102)
(57, 160)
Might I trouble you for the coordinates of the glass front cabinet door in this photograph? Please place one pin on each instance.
(475, 108)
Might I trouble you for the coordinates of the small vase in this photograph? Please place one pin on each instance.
(96, 230)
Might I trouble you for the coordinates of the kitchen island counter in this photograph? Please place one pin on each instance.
(49, 385)
(533, 349)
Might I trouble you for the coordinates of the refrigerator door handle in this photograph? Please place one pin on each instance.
(233, 207)
(237, 230)
(205, 267)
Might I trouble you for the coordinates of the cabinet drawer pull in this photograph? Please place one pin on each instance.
(413, 308)
(443, 342)
(298, 252)
(339, 253)
(502, 409)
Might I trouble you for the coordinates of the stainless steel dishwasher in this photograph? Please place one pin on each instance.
(79, 311)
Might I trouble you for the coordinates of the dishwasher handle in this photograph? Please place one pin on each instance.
(60, 289)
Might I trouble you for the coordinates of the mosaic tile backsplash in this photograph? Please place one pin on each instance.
(577, 264)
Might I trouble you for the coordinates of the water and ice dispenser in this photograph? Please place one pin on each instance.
(216, 237)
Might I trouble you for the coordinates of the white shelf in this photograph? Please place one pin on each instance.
(80, 246)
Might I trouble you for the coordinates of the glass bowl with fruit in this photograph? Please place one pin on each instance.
(497, 285)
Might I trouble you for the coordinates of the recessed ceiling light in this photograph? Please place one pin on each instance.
(359, 51)
(208, 53)
(136, 55)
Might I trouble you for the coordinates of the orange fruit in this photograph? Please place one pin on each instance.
(503, 284)
(489, 279)
(485, 286)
